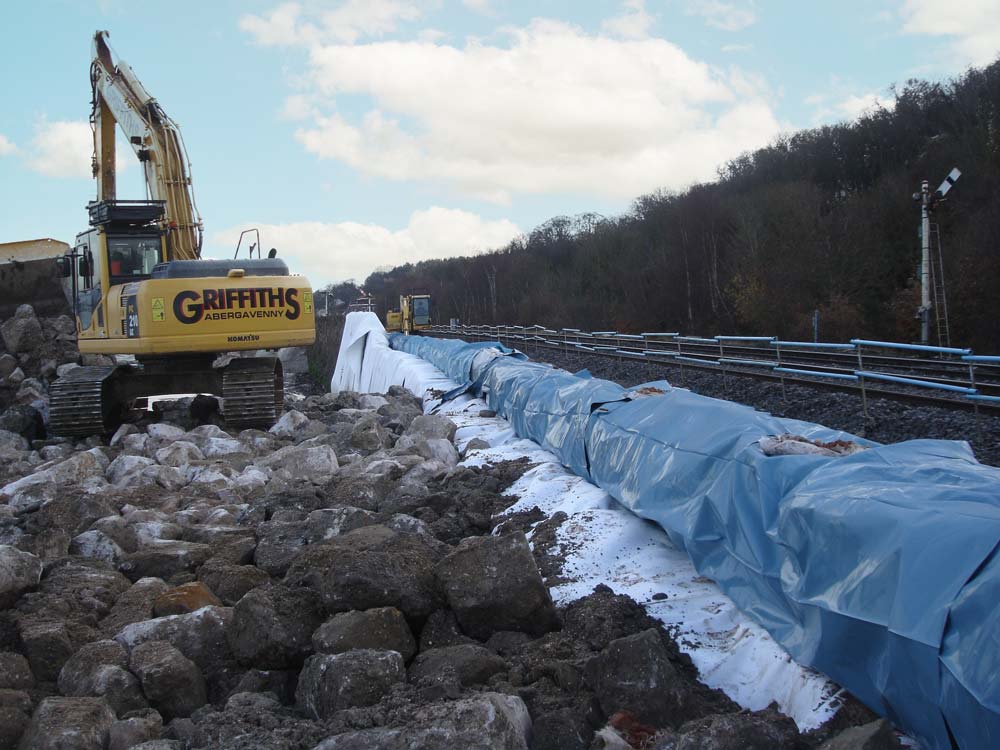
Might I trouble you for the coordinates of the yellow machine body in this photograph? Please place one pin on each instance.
(153, 317)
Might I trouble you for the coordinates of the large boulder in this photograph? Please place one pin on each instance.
(327, 523)
(381, 629)
(134, 605)
(315, 463)
(369, 435)
(473, 665)
(231, 582)
(63, 723)
(179, 453)
(188, 597)
(635, 674)
(172, 682)
(332, 682)
(272, 626)
(430, 426)
(164, 559)
(280, 543)
(19, 571)
(487, 721)
(136, 728)
(23, 332)
(492, 583)
(100, 669)
(24, 420)
(368, 568)
(15, 673)
(200, 636)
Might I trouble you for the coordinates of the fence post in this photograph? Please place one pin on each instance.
(864, 396)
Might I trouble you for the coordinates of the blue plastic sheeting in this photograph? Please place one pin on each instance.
(879, 569)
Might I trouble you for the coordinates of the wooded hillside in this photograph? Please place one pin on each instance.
(823, 219)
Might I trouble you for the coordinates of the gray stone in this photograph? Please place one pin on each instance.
(15, 673)
(165, 559)
(96, 545)
(488, 721)
(200, 635)
(231, 582)
(100, 669)
(327, 523)
(135, 729)
(381, 629)
(473, 665)
(22, 333)
(315, 463)
(64, 723)
(749, 730)
(171, 682)
(279, 544)
(429, 426)
(135, 605)
(8, 364)
(19, 571)
(332, 682)
(368, 434)
(271, 627)
(492, 583)
(635, 674)
(368, 568)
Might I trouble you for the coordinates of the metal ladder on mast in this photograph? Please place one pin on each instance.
(938, 295)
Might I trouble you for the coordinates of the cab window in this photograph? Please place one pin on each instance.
(132, 258)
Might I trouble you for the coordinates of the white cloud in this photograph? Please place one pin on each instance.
(6, 146)
(722, 15)
(349, 21)
(842, 106)
(555, 109)
(480, 6)
(852, 107)
(633, 23)
(972, 25)
(327, 252)
(64, 149)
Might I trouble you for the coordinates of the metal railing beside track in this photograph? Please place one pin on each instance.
(944, 376)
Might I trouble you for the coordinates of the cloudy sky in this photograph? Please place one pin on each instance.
(363, 133)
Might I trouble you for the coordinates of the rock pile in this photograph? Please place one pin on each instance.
(332, 583)
(33, 352)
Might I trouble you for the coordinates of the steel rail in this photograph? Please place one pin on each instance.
(973, 379)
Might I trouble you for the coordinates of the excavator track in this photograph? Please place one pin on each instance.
(80, 402)
(253, 392)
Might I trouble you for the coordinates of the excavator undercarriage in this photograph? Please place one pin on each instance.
(95, 400)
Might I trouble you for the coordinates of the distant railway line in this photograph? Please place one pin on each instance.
(949, 377)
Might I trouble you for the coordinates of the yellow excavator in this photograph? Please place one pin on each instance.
(138, 285)
(413, 315)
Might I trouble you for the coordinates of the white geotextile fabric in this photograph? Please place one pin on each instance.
(366, 364)
(605, 543)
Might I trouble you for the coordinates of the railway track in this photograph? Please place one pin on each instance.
(939, 376)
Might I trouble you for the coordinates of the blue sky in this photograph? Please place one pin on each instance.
(359, 134)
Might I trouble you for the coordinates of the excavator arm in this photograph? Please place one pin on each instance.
(119, 97)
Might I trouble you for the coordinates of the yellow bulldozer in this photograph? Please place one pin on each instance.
(138, 285)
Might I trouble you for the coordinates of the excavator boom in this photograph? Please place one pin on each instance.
(119, 97)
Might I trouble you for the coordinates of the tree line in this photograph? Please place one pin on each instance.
(821, 221)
